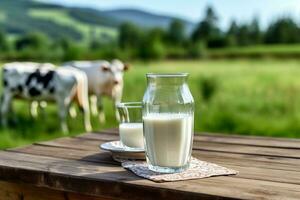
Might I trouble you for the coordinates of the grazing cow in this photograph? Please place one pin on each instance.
(104, 79)
(58, 85)
(30, 67)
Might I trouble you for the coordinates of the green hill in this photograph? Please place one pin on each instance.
(22, 16)
(147, 19)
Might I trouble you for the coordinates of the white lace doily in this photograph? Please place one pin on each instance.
(198, 169)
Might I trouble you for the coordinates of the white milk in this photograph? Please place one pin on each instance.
(168, 139)
(131, 134)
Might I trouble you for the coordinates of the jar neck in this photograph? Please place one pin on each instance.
(176, 79)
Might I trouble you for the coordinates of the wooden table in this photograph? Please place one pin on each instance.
(74, 168)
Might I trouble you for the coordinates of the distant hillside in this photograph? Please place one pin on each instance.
(22, 16)
(146, 19)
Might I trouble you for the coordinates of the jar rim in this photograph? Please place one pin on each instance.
(167, 75)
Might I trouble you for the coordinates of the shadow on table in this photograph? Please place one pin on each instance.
(124, 176)
(101, 157)
(93, 170)
(104, 159)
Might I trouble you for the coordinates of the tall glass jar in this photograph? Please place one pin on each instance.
(168, 119)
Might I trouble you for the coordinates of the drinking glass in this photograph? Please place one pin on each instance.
(131, 126)
(168, 119)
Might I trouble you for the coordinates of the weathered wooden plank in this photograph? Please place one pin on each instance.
(105, 180)
(13, 191)
(241, 136)
(99, 136)
(68, 175)
(69, 151)
(198, 145)
(266, 162)
(243, 149)
(77, 165)
(250, 141)
(100, 156)
(227, 139)
(250, 170)
(76, 143)
(240, 139)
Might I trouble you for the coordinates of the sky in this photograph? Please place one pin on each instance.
(241, 10)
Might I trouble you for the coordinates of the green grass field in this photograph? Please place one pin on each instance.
(258, 51)
(248, 97)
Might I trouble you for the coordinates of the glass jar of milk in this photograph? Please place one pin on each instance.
(168, 119)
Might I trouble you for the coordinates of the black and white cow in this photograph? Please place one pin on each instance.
(43, 84)
(31, 67)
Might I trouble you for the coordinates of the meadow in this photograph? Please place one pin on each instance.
(257, 51)
(247, 97)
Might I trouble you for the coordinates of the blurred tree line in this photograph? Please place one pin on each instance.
(136, 43)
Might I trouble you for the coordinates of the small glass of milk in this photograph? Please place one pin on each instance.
(131, 125)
